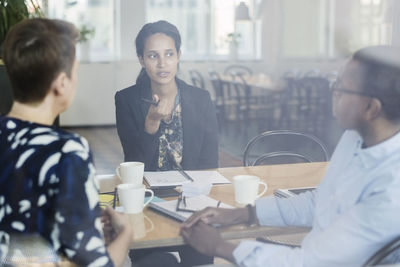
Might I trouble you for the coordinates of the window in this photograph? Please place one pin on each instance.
(332, 28)
(372, 21)
(91, 14)
(208, 26)
(305, 25)
(366, 22)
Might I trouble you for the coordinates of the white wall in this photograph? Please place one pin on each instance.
(396, 22)
(98, 82)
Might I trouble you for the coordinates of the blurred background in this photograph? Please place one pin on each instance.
(267, 64)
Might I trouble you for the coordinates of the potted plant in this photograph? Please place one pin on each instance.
(233, 39)
(12, 12)
(86, 33)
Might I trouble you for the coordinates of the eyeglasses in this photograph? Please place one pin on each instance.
(338, 89)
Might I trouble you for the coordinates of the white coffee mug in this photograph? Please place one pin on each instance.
(131, 172)
(131, 197)
(246, 188)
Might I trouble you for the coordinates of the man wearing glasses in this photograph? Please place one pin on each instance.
(356, 208)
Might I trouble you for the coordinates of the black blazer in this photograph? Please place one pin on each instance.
(199, 122)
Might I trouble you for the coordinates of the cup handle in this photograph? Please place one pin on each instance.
(151, 197)
(117, 172)
(151, 224)
(265, 189)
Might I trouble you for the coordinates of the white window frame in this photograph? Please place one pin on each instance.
(115, 52)
(210, 54)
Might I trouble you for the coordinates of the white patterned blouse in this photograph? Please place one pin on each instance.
(47, 186)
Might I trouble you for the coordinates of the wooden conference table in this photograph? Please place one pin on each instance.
(163, 231)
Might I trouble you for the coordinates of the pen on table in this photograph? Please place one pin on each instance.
(184, 201)
(187, 176)
(177, 165)
(115, 197)
(150, 101)
(218, 204)
(178, 202)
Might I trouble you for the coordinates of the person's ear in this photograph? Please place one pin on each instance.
(60, 84)
(141, 61)
(374, 109)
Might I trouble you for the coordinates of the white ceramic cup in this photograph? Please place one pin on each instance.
(130, 172)
(246, 188)
(131, 197)
(141, 228)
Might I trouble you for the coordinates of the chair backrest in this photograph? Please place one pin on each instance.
(6, 94)
(238, 70)
(312, 73)
(284, 149)
(242, 90)
(33, 250)
(294, 73)
(197, 79)
(306, 104)
(216, 83)
(389, 254)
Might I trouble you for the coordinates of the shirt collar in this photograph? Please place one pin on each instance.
(377, 153)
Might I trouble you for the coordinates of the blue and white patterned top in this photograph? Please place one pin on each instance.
(47, 186)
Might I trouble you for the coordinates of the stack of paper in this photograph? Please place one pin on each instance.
(196, 188)
(175, 178)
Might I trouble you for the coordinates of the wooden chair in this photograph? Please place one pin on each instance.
(237, 70)
(306, 105)
(6, 94)
(197, 79)
(312, 73)
(260, 108)
(224, 102)
(284, 145)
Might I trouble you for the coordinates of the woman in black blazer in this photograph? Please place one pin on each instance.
(180, 128)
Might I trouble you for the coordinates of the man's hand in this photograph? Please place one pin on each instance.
(218, 216)
(207, 240)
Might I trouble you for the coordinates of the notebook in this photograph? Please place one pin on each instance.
(290, 192)
(175, 178)
(194, 203)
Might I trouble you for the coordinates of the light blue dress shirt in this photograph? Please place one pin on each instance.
(354, 211)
